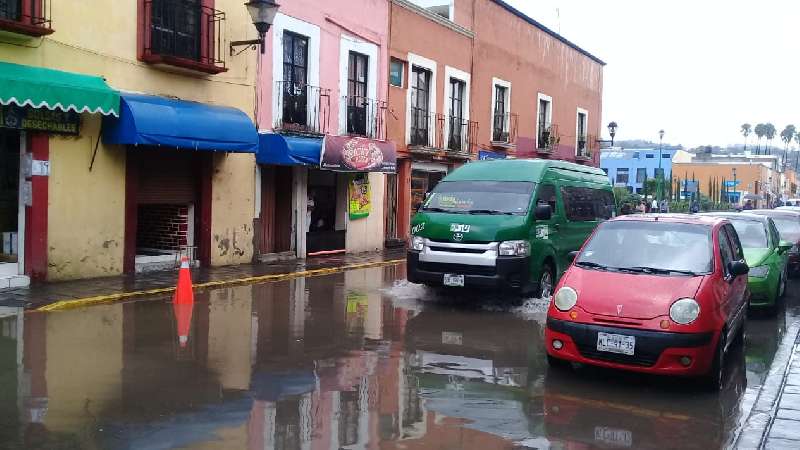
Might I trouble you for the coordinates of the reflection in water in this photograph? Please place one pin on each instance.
(351, 360)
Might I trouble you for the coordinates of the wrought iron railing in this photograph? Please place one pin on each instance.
(365, 117)
(28, 12)
(302, 108)
(427, 129)
(585, 146)
(504, 128)
(548, 138)
(184, 30)
(462, 135)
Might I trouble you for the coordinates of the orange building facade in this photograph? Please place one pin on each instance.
(480, 80)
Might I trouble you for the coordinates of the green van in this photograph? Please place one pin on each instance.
(507, 224)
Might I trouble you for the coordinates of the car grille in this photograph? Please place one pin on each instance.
(458, 249)
(459, 269)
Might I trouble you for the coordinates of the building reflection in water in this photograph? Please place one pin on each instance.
(318, 363)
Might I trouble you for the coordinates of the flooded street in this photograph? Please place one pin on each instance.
(360, 359)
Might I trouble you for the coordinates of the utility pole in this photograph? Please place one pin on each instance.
(660, 170)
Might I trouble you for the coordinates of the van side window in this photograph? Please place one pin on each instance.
(547, 194)
(773, 232)
(587, 205)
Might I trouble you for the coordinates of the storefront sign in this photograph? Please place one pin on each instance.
(40, 119)
(360, 198)
(354, 154)
(485, 154)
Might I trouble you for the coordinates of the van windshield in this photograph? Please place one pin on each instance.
(649, 247)
(481, 197)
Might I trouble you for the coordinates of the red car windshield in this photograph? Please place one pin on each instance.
(649, 247)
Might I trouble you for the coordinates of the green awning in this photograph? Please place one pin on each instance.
(53, 89)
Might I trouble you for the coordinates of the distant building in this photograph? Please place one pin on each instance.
(630, 167)
(745, 176)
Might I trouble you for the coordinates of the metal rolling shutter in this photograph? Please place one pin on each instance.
(167, 178)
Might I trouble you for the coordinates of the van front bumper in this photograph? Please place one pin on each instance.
(509, 272)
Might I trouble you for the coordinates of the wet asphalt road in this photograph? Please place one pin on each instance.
(360, 359)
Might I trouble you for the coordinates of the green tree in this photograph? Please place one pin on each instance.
(760, 131)
(769, 133)
(787, 135)
(746, 130)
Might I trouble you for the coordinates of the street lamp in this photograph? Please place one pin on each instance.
(612, 130)
(661, 174)
(734, 185)
(262, 12)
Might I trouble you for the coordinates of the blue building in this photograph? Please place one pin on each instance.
(630, 167)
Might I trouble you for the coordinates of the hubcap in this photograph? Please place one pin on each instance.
(546, 288)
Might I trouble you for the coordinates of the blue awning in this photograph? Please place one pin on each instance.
(286, 150)
(161, 121)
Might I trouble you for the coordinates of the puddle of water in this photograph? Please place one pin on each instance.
(356, 359)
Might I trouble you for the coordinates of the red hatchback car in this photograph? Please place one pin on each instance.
(661, 294)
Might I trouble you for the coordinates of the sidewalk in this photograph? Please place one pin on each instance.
(126, 286)
(774, 421)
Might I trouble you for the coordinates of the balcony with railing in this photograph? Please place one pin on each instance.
(439, 134)
(365, 117)
(548, 139)
(183, 33)
(585, 147)
(462, 135)
(504, 129)
(304, 109)
(26, 17)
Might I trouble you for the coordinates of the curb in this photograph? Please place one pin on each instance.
(63, 305)
(756, 428)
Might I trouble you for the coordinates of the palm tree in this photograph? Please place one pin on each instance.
(797, 154)
(760, 132)
(746, 129)
(769, 133)
(787, 135)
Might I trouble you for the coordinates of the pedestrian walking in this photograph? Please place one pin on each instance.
(640, 208)
(663, 207)
(695, 208)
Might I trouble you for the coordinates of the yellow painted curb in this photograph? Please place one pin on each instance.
(62, 305)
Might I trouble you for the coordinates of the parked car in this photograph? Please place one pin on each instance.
(507, 224)
(661, 294)
(765, 253)
(788, 223)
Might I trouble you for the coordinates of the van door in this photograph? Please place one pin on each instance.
(546, 234)
(584, 209)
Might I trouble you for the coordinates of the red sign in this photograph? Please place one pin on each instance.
(355, 154)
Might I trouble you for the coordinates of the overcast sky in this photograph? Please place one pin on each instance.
(696, 68)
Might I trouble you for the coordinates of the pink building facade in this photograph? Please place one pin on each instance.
(323, 75)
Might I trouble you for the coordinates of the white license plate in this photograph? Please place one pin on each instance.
(452, 338)
(616, 343)
(453, 280)
(613, 436)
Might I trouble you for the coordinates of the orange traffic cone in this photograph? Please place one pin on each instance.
(183, 292)
(183, 319)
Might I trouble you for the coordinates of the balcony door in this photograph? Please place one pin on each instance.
(295, 77)
(456, 119)
(357, 101)
(175, 28)
(420, 105)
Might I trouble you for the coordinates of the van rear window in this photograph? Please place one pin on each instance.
(481, 197)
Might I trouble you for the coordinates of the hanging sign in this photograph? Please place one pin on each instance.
(355, 154)
(40, 119)
(359, 196)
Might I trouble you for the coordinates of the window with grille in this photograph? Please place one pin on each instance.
(357, 100)
(500, 126)
(420, 107)
(295, 74)
(457, 124)
(175, 28)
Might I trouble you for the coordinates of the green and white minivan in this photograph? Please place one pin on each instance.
(508, 224)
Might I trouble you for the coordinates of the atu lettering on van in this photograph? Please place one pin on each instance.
(459, 228)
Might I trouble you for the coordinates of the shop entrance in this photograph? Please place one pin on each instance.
(276, 212)
(325, 216)
(9, 202)
(167, 208)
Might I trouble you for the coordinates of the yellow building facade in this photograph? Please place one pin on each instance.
(87, 179)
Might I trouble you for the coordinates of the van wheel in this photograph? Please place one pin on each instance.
(546, 281)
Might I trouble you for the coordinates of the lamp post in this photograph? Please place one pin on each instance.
(262, 12)
(734, 184)
(612, 130)
(661, 174)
